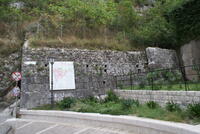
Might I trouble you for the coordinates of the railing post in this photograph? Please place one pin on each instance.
(152, 86)
(185, 85)
(131, 80)
(116, 82)
(182, 69)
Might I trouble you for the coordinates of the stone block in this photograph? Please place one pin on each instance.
(190, 55)
(161, 58)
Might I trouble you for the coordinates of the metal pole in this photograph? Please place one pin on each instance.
(152, 83)
(183, 76)
(16, 101)
(116, 82)
(52, 96)
(185, 85)
(131, 80)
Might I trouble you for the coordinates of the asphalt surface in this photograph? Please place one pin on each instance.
(3, 118)
(23, 126)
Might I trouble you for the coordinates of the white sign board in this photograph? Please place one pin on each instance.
(63, 75)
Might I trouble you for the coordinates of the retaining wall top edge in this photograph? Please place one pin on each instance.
(118, 90)
(81, 50)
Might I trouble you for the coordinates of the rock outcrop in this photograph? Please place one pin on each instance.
(190, 55)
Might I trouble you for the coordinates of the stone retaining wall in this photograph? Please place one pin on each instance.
(9, 64)
(162, 97)
(95, 70)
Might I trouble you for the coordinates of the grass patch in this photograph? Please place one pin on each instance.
(47, 107)
(115, 106)
(8, 47)
(91, 44)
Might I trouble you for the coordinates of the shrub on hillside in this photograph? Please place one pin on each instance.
(171, 106)
(194, 110)
(152, 104)
(111, 96)
(126, 104)
(66, 103)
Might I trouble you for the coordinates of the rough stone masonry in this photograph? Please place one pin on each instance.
(95, 70)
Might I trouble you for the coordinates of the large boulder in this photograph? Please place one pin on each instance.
(161, 58)
(190, 53)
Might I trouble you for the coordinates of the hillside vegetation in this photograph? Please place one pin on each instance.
(100, 24)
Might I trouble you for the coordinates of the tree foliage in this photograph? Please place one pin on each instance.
(186, 18)
(91, 12)
(163, 23)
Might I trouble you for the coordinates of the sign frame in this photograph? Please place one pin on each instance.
(63, 75)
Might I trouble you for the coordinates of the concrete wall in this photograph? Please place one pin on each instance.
(162, 97)
(95, 70)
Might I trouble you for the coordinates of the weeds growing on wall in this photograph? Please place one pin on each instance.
(171, 106)
(8, 47)
(83, 43)
(152, 104)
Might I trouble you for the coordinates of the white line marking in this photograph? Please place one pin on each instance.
(108, 130)
(24, 125)
(82, 130)
(47, 129)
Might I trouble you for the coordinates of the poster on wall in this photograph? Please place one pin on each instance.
(63, 75)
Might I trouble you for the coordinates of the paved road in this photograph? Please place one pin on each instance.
(3, 118)
(23, 126)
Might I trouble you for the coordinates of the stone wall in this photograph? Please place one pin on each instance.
(95, 71)
(161, 58)
(161, 97)
(8, 65)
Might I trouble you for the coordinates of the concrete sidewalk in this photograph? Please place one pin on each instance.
(25, 126)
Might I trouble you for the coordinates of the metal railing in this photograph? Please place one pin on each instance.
(179, 78)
